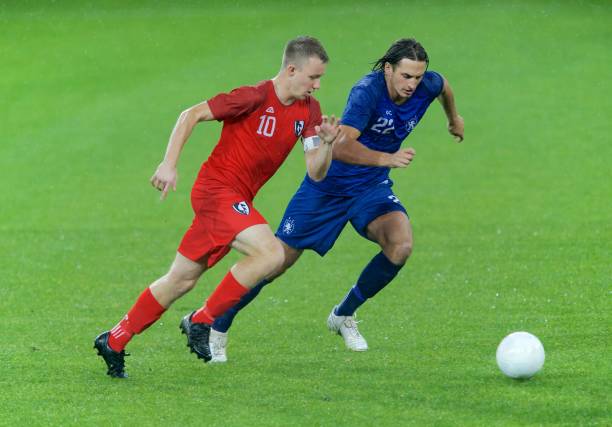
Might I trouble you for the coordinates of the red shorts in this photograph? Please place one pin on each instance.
(220, 215)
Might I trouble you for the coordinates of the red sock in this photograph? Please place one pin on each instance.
(143, 314)
(225, 296)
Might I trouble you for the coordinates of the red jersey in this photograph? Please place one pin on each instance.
(258, 135)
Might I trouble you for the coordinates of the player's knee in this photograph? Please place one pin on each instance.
(285, 265)
(399, 252)
(270, 256)
(180, 283)
(280, 270)
(288, 262)
(274, 255)
(185, 285)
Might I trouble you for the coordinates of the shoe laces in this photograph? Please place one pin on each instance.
(351, 325)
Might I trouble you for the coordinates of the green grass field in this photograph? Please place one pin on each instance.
(512, 228)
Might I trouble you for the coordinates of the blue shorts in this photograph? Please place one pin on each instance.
(314, 220)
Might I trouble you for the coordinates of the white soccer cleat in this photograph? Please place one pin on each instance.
(218, 345)
(346, 326)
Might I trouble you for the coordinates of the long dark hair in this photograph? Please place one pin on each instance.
(403, 48)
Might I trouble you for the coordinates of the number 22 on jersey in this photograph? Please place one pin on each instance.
(383, 126)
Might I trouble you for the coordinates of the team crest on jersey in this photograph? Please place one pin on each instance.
(288, 226)
(410, 125)
(299, 127)
(242, 208)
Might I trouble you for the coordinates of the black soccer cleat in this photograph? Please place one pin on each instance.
(114, 360)
(197, 337)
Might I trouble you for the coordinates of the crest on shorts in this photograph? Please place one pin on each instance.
(288, 226)
(242, 208)
(298, 127)
(394, 199)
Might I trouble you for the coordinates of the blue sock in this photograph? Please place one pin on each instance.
(223, 323)
(377, 274)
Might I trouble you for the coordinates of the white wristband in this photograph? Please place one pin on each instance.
(311, 143)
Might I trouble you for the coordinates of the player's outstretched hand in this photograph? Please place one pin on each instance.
(401, 158)
(455, 128)
(164, 178)
(329, 129)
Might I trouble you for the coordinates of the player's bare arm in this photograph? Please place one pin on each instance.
(319, 152)
(350, 150)
(166, 176)
(455, 121)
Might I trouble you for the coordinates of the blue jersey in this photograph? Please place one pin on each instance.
(383, 126)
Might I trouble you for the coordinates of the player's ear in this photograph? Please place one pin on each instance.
(388, 68)
(291, 68)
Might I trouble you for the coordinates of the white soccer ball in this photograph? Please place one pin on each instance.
(520, 355)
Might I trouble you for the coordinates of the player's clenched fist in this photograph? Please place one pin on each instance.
(164, 178)
(455, 128)
(401, 158)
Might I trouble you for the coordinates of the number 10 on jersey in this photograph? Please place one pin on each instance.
(267, 124)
